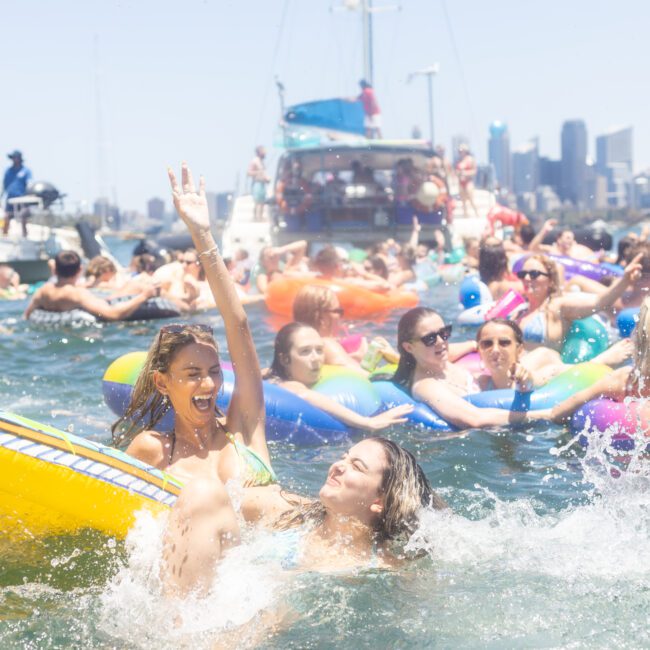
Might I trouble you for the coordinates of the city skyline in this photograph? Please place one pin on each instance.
(119, 91)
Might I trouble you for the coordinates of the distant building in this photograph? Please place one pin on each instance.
(573, 180)
(596, 189)
(547, 199)
(525, 168)
(156, 209)
(614, 161)
(108, 213)
(641, 191)
(499, 154)
(550, 173)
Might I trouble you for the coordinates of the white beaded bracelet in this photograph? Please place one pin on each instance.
(214, 249)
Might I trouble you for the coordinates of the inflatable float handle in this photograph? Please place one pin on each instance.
(505, 305)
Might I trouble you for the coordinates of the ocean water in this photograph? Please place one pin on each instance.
(546, 545)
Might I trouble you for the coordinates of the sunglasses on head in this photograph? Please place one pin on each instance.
(430, 339)
(534, 274)
(336, 310)
(488, 344)
(177, 328)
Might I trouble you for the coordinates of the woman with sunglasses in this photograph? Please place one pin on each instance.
(427, 374)
(319, 307)
(298, 358)
(550, 312)
(500, 345)
(182, 370)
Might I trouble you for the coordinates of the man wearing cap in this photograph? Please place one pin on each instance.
(16, 180)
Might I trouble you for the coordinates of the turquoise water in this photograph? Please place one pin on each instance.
(544, 547)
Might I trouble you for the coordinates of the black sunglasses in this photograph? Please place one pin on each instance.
(430, 339)
(488, 344)
(177, 328)
(534, 274)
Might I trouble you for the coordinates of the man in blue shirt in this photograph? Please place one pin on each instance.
(16, 180)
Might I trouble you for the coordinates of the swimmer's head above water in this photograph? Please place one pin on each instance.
(181, 370)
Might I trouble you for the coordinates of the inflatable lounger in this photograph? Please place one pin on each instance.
(52, 482)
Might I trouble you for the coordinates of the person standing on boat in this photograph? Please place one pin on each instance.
(372, 119)
(14, 185)
(466, 173)
(260, 179)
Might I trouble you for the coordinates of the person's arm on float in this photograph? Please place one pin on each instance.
(576, 306)
(460, 413)
(458, 350)
(246, 410)
(102, 309)
(348, 416)
(612, 386)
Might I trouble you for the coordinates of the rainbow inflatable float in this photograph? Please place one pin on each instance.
(289, 417)
(52, 482)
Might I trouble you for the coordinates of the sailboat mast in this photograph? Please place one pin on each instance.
(366, 20)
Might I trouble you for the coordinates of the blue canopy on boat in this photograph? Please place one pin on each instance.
(334, 114)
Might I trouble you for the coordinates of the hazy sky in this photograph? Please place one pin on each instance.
(194, 79)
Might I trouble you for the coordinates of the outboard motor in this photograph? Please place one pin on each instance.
(46, 192)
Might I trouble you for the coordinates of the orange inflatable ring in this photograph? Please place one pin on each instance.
(357, 302)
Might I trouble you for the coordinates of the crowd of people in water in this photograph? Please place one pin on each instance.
(370, 499)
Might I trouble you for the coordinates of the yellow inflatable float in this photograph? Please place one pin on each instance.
(52, 482)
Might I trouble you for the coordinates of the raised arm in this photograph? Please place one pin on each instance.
(537, 242)
(246, 411)
(576, 306)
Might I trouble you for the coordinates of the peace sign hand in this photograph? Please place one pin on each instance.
(192, 206)
(633, 269)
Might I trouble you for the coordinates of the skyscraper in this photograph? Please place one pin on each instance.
(573, 167)
(614, 161)
(525, 167)
(156, 209)
(499, 153)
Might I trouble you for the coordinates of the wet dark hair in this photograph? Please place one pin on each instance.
(282, 347)
(67, 264)
(405, 331)
(516, 330)
(624, 246)
(378, 266)
(404, 486)
(492, 261)
(327, 261)
(527, 233)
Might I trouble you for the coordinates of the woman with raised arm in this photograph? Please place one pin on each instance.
(182, 370)
(550, 312)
